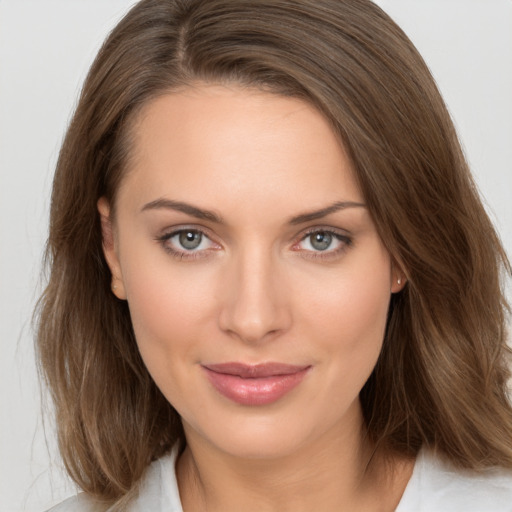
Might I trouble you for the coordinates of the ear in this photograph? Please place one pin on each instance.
(110, 248)
(398, 279)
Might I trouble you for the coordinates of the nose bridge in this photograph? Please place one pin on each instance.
(254, 307)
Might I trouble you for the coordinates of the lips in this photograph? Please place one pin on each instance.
(259, 384)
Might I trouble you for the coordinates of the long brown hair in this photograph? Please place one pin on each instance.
(442, 375)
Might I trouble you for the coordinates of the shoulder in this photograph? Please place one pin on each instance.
(79, 503)
(158, 492)
(437, 486)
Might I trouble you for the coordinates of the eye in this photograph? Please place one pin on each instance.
(187, 243)
(323, 243)
(189, 239)
(320, 241)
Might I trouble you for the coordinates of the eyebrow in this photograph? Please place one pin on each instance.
(187, 208)
(318, 214)
(203, 214)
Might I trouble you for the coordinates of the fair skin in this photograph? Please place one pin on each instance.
(241, 236)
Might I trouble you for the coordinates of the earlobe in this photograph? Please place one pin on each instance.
(109, 248)
(398, 280)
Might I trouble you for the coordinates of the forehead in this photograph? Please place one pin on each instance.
(214, 141)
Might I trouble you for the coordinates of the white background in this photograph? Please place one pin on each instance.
(46, 47)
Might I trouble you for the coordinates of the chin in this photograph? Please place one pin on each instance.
(259, 435)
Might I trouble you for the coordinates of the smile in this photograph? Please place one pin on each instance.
(260, 384)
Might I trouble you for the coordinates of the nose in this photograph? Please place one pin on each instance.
(254, 303)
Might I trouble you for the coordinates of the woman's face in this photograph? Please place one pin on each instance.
(256, 281)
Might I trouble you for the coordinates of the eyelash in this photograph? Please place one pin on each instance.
(184, 254)
(329, 254)
(342, 237)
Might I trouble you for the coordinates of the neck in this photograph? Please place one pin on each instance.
(335, 472)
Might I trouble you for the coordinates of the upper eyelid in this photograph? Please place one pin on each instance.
(326, 229)
(172, 231)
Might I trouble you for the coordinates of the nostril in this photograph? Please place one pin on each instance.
(250, 327)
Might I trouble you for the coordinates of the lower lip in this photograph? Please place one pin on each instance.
(254, 391)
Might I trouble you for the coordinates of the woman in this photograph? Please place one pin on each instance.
(273, 285)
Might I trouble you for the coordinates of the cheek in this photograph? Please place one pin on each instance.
(363, 311)
(168, 309)
(349, 348)
(351, 312)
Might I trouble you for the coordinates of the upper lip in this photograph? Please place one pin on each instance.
(255, 371)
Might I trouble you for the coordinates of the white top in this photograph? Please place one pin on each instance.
(434, 487)
(438, 487)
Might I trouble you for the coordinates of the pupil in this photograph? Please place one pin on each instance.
(190, 239)
(321, 241)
